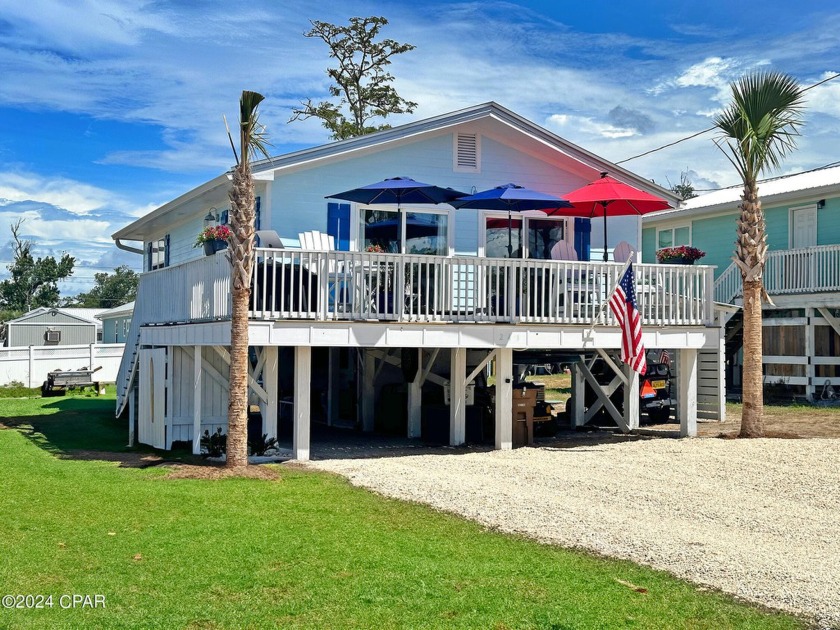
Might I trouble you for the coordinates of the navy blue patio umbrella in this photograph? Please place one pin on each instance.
(513, 198)
(399, 190)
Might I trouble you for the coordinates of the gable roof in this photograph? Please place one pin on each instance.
(774, 191)
(84, 315)
(265, 169)
(117, 311)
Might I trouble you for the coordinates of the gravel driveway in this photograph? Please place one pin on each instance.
(757, 518)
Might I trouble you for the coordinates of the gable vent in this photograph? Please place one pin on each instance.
(467, 152)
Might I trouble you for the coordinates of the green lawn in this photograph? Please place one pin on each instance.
(307, 551)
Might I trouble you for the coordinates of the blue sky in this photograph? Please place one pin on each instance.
(109, 109)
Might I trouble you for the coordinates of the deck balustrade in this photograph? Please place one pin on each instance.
(363, 286)
(804, 270)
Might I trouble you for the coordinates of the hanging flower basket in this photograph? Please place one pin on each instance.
(681, 255)
(213, 239)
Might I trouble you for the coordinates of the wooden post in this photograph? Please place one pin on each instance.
(132, 416)
(368, 398)
(578, 394)
(197, 372)
(504, 399)
(169, 387)
(687, 395)
(457, 396)
(303, 377)
(810, 351)
(415, 399)
(270, 375)
(631, 397)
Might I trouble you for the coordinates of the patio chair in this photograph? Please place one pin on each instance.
(337, 277)
(268, 238)
(563, 250)
(623, 252)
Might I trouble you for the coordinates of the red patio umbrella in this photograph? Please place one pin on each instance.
(607, 196)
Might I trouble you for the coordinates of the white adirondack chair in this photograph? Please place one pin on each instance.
(623, 252)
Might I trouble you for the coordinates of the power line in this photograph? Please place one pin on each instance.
(700, 133)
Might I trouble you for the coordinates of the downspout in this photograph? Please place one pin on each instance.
(128, 248)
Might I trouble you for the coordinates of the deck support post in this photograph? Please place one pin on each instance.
(687, 394)
(810, 351)
(197, 373)
(303, 378)
(578, 395)
(415, 399)
(631, 397)
(504, 399)
(132, 415)
(457, 396)
(270, 375)
(368, 389)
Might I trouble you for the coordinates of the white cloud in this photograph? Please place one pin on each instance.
(76, 197)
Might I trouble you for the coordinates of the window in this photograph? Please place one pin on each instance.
(541, 234)
(157, 253)
(467, 154)
(672, 237)
(422, 232)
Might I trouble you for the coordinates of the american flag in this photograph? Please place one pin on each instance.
(623, 306)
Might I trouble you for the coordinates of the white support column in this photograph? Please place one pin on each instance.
(415, 399)
(687, 395)
(368, 389)
(132, 416)
(270, 374)
(722, 375)
(197, 372)
(810, 350)
(92, 356)
(631, 397)
(303, 378)
(170, 403)
(504, 399)
(457, 396)
(578, 395)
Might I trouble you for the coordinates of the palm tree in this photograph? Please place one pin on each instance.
(757, 130)
(252, 141)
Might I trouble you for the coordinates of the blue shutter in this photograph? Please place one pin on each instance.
(148, 256)
(338, 224)
(583, 229)
(257, 221)
(166, 251)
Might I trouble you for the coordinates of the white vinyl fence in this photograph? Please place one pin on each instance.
(30, 365)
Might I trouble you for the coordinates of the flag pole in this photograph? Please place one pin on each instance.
(603, 306)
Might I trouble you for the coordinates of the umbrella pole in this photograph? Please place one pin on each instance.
(606, 257)
(510, 238)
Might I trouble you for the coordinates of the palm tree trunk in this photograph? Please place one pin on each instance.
(752, 416)
(750, 256)
(241, 258)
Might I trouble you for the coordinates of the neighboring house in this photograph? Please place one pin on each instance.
(55, 327)
(116, 323)
(802, 328)
(375, 339)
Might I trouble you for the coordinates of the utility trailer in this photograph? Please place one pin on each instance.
(59, 381)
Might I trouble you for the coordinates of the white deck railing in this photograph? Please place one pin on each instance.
(805, 270)
(361, 286)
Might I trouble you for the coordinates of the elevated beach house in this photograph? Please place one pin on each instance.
(389, 323)
(802, 327)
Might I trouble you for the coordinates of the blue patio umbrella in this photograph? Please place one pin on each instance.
(513, 198)
(399, 190)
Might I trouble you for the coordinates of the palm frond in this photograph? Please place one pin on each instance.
(253, 136)
(760, 125)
